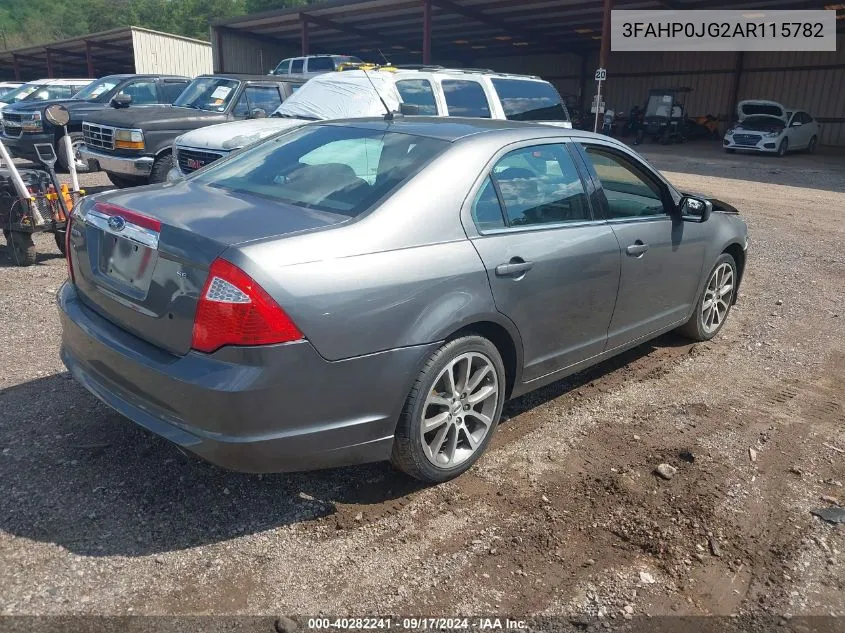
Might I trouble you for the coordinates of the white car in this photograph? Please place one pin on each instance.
(768, 126)
(7, 86)
(425, 91)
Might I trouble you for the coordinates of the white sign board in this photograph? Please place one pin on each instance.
(601, 74)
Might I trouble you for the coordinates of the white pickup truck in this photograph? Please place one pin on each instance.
(424, 90)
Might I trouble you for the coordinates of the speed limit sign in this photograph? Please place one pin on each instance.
(601, 74)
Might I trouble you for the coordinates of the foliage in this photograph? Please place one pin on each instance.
(31, 22)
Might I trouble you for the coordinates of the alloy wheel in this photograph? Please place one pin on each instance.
(717, 298)
(459, 410)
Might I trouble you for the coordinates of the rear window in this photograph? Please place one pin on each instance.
(317, 64)
(418, 92)
(342, 170)
(530, 100)
(466, 98)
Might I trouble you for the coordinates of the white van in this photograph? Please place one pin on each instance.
(313, 65)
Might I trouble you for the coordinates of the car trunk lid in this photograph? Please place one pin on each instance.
(141, 258)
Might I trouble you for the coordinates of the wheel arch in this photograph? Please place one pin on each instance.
(506, 341)
(736, 251)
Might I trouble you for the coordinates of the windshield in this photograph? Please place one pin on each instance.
(345, 95)
(339, 169)
(97, 89)
(19, 94)
(762, 122)
(212, 94)
(659, 105)
(530, 100)
(4, 90)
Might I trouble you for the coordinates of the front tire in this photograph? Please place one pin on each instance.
(161, 167)
(124, 182)
(452, 411)
(76, 140)
(811, 146)
(730, 150)
(22, 249)
(714, 304)
(783, 148)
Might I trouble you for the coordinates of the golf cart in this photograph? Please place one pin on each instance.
(665, 119)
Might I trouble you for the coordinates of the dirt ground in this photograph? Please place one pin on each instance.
(564, 515)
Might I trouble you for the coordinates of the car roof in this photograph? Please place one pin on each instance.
(143, 76)
(245, 77)
(455, 128)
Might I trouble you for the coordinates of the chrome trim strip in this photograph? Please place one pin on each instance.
(131, 232)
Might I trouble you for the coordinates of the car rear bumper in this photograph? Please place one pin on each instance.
(139, 167)
(262, 409)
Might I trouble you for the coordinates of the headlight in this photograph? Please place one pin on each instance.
(32, 122)
(129, 139)
(771, 134)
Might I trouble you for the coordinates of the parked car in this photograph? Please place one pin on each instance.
(313, 65)
(359, 93)
(366, 290)
(8, 86)
(767, 126)
(133, 145)
(44, 90)
(24, 124)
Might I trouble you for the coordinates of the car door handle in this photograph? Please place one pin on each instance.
(636, 249)
(514, 268)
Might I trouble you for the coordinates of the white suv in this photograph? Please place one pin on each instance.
(425, 91)
(313, 65)
(44, 90)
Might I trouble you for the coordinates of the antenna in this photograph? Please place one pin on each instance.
(386, 61)
(388, 116)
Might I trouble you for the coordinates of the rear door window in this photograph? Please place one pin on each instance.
(539, 185)
(530, 100)
(465, 98)
(418, 92)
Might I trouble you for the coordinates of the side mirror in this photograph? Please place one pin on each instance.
(695, 209)
(57, 115)
(258, 113)
(121, 100)
(410, 109)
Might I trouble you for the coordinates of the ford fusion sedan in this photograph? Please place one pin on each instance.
(373, 290)
(767, 126)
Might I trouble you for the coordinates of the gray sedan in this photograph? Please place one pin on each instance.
(376, 289)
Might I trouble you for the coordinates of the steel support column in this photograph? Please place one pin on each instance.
(740, 62)
(426, 43)
(303, 22)
(50, 64)
(605, 34)
(220, 67)
(89, 61)
(17, 66)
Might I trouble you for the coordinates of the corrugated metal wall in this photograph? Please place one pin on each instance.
(156, 53)
(814, 82)
(244, 54)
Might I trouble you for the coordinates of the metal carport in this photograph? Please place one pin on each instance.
(125, 50)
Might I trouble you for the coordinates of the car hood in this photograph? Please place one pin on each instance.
(751, 107)
(235, 135)
(156, 117)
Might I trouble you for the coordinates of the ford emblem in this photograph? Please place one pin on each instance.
(117, 223)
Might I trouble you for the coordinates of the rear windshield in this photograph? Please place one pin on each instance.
(343, 170)
(530, 100)
(208, 93)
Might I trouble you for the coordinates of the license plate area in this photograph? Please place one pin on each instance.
(126, 253)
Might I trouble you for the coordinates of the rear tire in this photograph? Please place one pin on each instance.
(161, 168)
(22, 249)
(717, 295)
(458, 425)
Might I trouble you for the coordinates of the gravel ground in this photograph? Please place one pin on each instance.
(563, 516)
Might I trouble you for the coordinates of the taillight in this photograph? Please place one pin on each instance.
(67, 248)
(234, 310)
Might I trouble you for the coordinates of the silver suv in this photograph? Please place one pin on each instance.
(313, 65)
